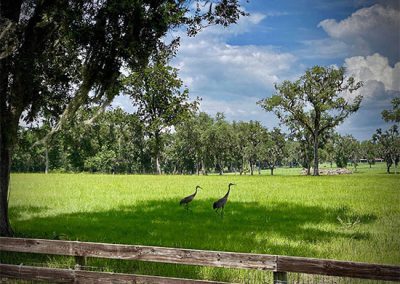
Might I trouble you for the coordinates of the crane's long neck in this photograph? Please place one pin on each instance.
(227, 194)
(195, 192)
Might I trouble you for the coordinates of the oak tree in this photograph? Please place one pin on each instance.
(59, 55)
(315, 102)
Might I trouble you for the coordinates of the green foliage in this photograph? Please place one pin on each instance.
(272, 150)
(57, 56)
(347, 149)
(103, 161)
(293, 153)
(114, 142)
(315, 102)
(156, 92)
(388, 146)
(394, 114)
(369, 151)
(26, 158)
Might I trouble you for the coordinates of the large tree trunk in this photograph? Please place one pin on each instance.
(9, 118)
(316, 142)
(251, 168)
(8, 137)
(272, 171)
(5, 166)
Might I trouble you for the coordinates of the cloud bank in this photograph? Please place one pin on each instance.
(369, 30)
(381, 85)
(232, 78)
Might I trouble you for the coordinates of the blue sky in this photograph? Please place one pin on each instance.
(232, 68)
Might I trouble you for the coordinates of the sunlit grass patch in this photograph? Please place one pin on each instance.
(354, 217)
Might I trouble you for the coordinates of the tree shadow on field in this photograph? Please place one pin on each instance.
(245, 227)
(283, 228)
(26, 212)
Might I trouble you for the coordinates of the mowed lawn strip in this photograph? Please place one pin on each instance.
(353, 217)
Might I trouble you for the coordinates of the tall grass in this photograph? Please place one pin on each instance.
(353, 217)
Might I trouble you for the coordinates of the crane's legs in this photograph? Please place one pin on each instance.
(221, 213)
(187, 207)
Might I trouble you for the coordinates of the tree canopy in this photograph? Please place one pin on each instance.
(315, 102)
(56, 56)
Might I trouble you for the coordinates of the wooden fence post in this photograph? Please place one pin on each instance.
(80, 262)
(280, 277)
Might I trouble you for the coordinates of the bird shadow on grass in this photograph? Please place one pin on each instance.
(283, 228)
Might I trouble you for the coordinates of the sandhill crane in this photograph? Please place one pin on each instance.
(220, 204)
(185, 201)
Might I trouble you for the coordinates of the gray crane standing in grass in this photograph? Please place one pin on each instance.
(220, 204)
(185, 201)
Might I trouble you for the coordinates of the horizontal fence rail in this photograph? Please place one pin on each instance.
(338, 268)
(273, 263)
(56, 275)
(143, 253)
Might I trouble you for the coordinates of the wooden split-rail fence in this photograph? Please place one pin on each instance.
(279, 265)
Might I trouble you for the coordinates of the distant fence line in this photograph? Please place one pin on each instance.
(279, 265)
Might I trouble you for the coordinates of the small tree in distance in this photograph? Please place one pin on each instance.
(315, 102)
(156, 91)
(389, 141)
(368, 151)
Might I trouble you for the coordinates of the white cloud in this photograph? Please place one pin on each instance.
(239, 109)
(381, 85)
(232, 78)
(215, 64)
(323, 49)
(368, 30)
(218, 72)
(375, 68)
(370, 38)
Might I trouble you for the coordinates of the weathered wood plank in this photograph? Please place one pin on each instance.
(56, 275)
(143, 253)
(199, 257)
(338, 268)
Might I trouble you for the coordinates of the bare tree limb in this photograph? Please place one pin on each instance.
(81, 96)
(102, 108)
(5, 32)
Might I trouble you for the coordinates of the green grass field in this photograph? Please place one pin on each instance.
(354, 217)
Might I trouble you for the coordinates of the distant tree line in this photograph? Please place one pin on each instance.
(120, 142)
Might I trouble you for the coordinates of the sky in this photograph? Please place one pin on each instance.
(232, 68)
